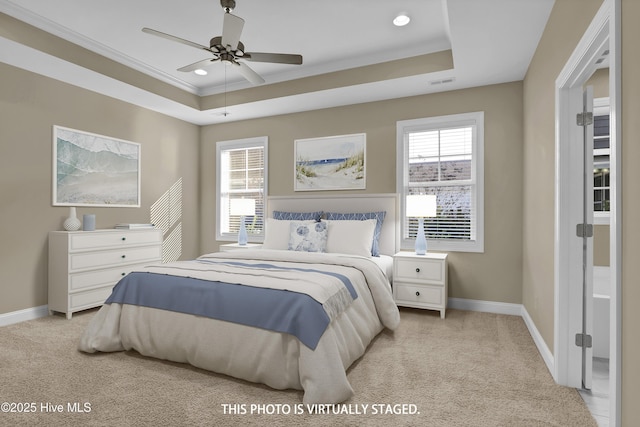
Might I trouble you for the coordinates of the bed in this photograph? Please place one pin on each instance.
(291, 318)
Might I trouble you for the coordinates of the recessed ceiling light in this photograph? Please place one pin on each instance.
(401, 20)
(200, 72)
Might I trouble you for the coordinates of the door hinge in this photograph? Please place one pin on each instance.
(583, 340)
(584, 119)
(584, 230)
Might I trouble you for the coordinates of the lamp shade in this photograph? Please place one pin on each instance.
(421, 206)
(243, 207)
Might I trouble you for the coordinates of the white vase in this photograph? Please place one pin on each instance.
(72, 223)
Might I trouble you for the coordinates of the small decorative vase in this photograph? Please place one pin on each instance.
(88, 222)
(72, 223)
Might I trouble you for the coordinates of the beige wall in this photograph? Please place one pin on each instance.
(494, 275)
(630, 207)
(568, 21)
(601, 243)
(600, 82)
(29, 107)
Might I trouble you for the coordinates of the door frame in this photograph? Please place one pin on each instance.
(587, 244)
(603, 32)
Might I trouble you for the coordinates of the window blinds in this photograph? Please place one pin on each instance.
(440, 162)
(242, 177)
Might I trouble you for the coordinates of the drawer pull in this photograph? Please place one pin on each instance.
(124, 238)
(123, 274)
(418, 270)
(124, 256)
(417, 293)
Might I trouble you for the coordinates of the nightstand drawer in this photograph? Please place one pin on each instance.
(419, 270)
(431, 295)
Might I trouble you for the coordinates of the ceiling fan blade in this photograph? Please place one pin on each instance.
(280, 58)
(248, 73)
(177, 39)
(200, 64)
(231, 30)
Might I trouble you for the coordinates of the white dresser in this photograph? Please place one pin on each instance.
(84, 266)
(420, 281)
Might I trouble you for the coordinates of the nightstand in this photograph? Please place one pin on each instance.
(234, 247)
(420, 281)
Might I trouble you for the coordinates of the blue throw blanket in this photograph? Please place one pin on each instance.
(273, 309)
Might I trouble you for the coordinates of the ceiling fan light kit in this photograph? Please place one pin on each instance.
(229, 48)
(401, 20)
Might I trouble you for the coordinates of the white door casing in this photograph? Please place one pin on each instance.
(603, 34)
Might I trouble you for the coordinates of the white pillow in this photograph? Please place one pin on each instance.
(276, 234)
(351, 237)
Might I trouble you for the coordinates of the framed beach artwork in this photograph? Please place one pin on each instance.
(94, 170)
(330, 163)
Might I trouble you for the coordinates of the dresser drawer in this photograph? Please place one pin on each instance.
(428, 295)
(419, 270)
(87, 299)
(110, 239)
(96, 278)
(99, 259)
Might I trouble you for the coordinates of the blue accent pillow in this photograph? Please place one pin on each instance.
(308, 236)
(297, 216)
(378, 216)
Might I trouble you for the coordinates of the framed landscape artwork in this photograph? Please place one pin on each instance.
(330, 163)
(94, 170)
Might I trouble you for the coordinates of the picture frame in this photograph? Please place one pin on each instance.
(94, 170)
(330, 163)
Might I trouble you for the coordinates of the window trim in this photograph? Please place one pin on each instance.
(232, 145)
(402, 177)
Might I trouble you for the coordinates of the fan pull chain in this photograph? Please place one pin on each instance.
(225, 90)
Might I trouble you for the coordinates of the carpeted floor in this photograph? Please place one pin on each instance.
(471, 369)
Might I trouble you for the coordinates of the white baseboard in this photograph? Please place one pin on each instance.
(23, 315)
(544, 351)
(485, 306)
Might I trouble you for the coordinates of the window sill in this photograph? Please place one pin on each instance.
(474, 247)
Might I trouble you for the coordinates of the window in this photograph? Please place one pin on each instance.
(601, 153)
(241, 168)
(444, 156)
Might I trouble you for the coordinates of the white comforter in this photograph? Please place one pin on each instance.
(276, 359)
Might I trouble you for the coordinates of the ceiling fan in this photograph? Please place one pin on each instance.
(229, 48)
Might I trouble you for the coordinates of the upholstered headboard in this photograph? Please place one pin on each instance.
(351, 203)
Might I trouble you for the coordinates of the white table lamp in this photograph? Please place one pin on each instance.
(421, 206)
(242, 207)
